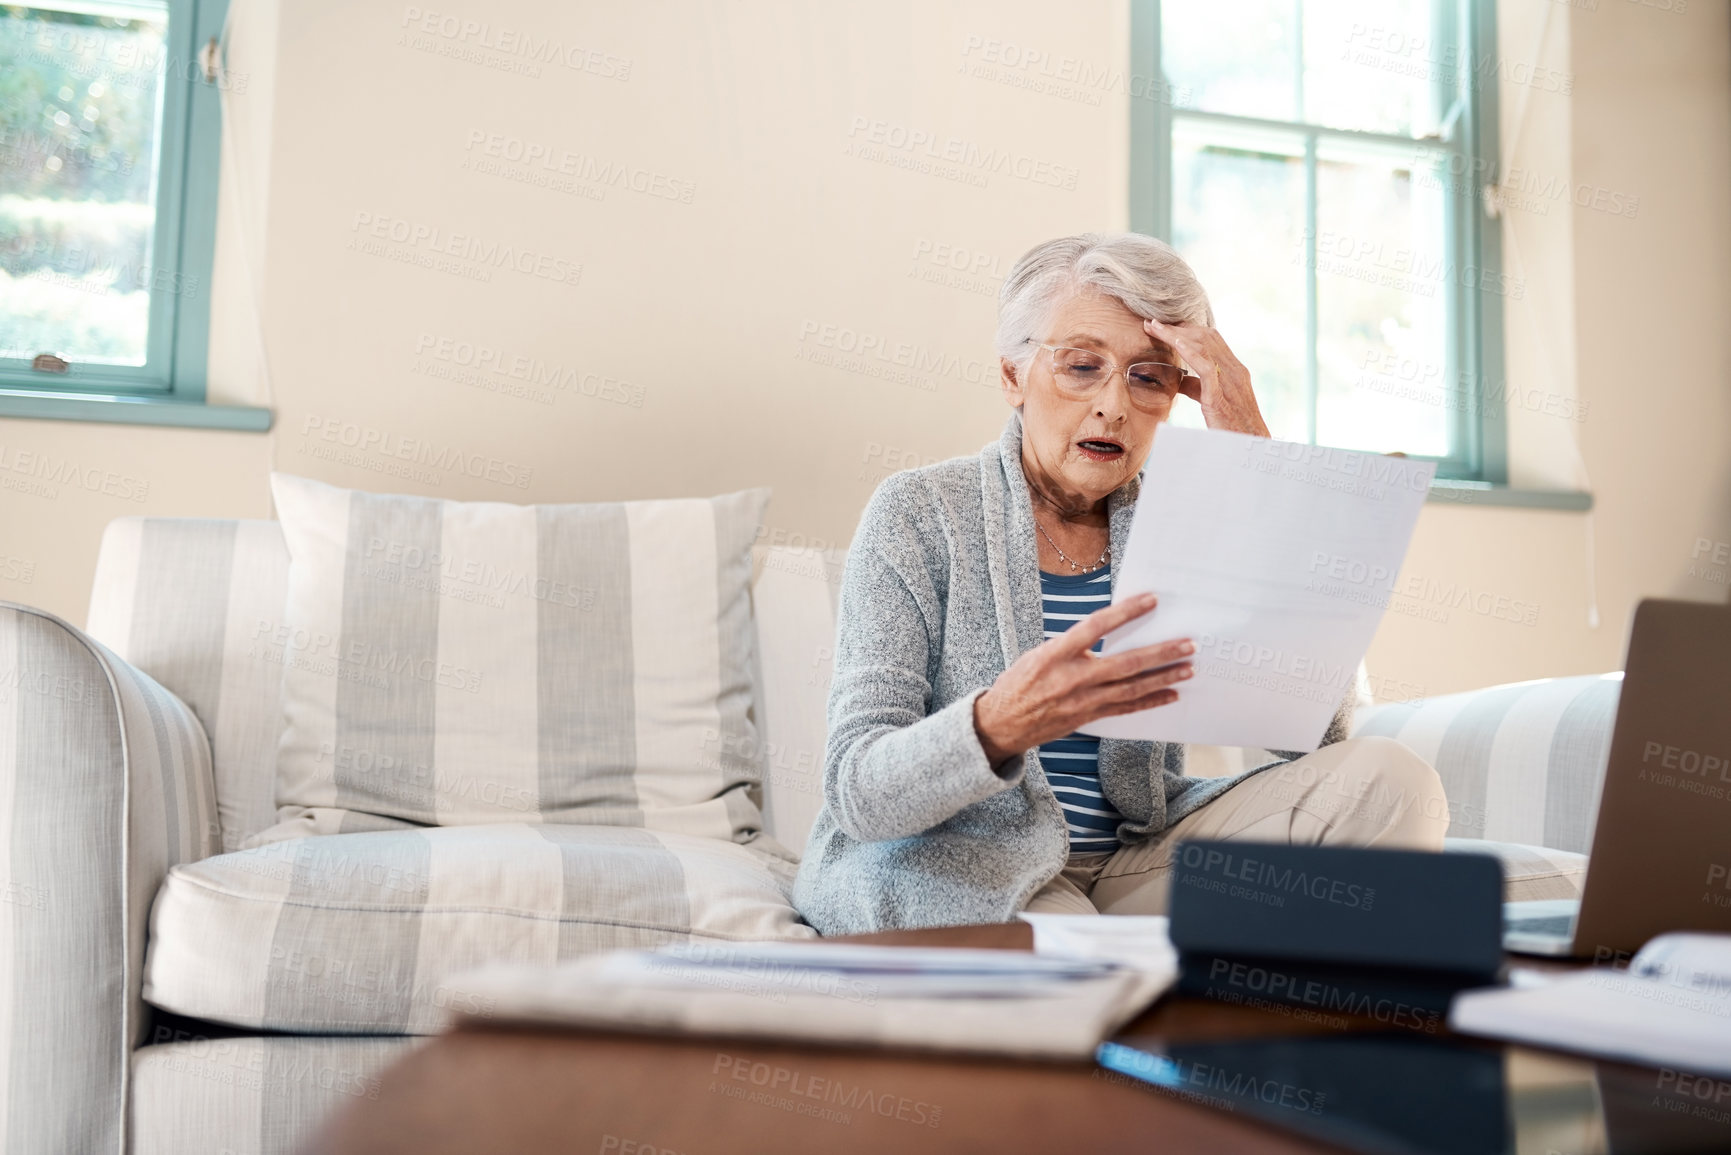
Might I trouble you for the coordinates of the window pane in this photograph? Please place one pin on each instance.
(1377, 65)
(1372, 65)
(1241, 59)
(1238, 218)
(1384, 282)
(1383, 275)
(80, 126)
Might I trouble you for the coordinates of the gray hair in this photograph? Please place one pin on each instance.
(1145, 274)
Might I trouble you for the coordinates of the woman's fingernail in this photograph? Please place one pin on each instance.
(1187, 648)
(1187, 672)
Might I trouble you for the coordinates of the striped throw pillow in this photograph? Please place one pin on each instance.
(1522, 763)
(452, 663)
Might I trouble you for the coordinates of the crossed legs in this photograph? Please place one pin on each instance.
(1360, 792)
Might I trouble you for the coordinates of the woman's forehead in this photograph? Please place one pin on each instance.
(1096, 321)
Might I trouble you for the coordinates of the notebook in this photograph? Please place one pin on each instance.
(994, 1002)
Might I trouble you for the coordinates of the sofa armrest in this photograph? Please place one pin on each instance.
(1521, 763)
(105, 782)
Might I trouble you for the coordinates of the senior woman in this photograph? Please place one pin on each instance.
(974, 599)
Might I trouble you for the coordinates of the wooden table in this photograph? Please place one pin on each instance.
(484, 1090)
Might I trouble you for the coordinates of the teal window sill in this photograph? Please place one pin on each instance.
(1483, 493)
(123, 410)
(252, 419)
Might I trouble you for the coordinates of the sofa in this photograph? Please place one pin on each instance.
(137, 761)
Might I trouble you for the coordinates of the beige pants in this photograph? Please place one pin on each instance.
(1361, 792)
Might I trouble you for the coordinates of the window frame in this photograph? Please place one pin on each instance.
(170, 388)
(1478, 454)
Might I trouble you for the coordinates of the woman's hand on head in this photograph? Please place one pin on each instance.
(1222, 383)
(1059, 685)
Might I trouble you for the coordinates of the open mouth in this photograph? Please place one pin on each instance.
(1100, 449)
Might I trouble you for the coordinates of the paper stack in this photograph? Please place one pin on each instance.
(983, 1001)
(1141, 941)
(1671, 1008)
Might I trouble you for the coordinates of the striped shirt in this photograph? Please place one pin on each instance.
(1072, 763)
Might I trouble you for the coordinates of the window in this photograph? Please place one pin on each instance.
(109, 142)
(1320, 163)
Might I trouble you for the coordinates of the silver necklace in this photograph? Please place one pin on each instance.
(1105, 554)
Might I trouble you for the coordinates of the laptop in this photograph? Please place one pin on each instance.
(1661, 854)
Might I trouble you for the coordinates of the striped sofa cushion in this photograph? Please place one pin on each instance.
(104, 785)
(1529, 872)
(1521, 763)
(452, 663)
(197, 1095)
(793, 600)
(194, 602)
(355, 933)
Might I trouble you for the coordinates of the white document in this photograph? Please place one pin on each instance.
(885, 972)
(1278, 559)
(1134, 940)
(1671, 1008)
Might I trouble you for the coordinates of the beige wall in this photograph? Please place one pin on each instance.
(1625, 314)
(696, 350)
(1652, 302)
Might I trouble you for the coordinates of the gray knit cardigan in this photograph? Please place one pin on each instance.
(941, 592)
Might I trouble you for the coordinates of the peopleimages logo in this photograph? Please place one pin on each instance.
(1234, 868)
(360, 440)
(927, 151)
(429, 245)
(1372, 472)
(1277, 671)
(1313, 993)
(1693, 771)
(530, 48)
(874, 354)
(783, 1087)
(1179, 1075)
(581, 167)
(704, 961)
(45, 467)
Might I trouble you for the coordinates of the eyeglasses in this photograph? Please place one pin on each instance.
(1081, 373)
